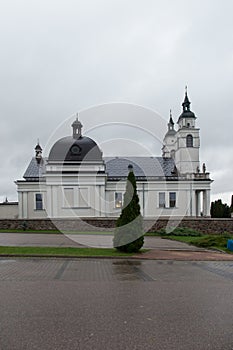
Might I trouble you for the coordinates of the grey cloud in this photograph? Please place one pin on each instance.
(60, 57)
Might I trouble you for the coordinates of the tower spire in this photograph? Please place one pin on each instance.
(169, 138)
(186, 103)
(171, 120)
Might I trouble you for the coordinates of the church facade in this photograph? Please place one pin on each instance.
(76, 180)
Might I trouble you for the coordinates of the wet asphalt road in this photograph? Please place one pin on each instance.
(115, 304)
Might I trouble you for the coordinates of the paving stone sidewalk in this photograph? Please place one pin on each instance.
(185, 255)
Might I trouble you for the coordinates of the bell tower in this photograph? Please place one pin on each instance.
(169, 140)
(187, 140)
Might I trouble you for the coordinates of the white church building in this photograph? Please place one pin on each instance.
(76, 180)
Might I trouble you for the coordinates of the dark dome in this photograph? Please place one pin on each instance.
(170, 133)
(72, 149)
(188, 114)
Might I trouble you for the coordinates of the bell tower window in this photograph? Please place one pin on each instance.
(189, 141)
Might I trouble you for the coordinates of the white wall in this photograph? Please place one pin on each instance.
(148, 193)
(9, 211)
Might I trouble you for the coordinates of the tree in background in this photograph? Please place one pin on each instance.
(128, 235)
(231, 203)
(220, 210)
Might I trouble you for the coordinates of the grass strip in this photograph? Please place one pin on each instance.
(28, 231)
(57, 232)
(62, 251)
(185, 239)
(218, 242)
(88, 233)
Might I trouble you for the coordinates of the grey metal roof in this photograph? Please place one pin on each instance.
(143, 167)
(117, 167)
(34, 171)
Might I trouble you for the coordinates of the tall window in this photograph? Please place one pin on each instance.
(39, 201)
(161, 199)
(118, 200)
(189, 141)
(172, 199)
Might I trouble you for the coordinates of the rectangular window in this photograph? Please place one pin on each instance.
(39, 201)
(172, 199)
(118, 200)
(162, 200)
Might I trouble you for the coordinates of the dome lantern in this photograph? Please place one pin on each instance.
(38, 151)
(75, 148)
(77, 128)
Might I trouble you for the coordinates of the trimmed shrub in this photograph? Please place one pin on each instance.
(128, 234)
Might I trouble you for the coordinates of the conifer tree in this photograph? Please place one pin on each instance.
(128, 235)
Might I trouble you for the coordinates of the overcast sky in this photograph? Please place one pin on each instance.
(63, 57)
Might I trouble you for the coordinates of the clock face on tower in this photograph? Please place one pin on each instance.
(75, 150)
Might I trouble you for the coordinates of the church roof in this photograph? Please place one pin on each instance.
(117, 168)
(34, 170)
(143, 167)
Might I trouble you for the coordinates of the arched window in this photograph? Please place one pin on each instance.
(189, 141)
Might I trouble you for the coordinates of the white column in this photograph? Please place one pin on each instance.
(206, 203)
(25, 205)
(55, 203)
(20, 196)
(148, 210)
(198, 203)
(48, 201)
(191, 200)
(96, 202)
(102, 201)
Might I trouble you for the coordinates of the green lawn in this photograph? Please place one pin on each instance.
(185, 239)
(88, 233)
(218, 242)
(196, 238)
(57, 232)
(59, 251)
(29, 231)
